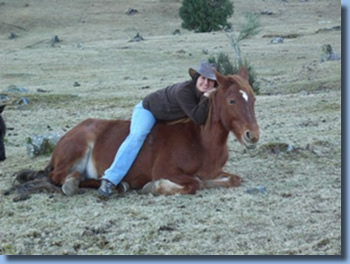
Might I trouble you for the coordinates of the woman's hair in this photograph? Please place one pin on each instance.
(195, 77)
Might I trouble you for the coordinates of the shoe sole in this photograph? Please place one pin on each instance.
(103, 194)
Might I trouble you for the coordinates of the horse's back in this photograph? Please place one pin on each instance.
(91, 131)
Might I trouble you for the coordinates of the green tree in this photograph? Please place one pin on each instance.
(205, 15)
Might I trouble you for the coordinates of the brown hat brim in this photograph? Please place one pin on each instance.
(192, 72)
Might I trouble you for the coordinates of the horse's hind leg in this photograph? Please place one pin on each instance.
(224, 179)
(71, 183)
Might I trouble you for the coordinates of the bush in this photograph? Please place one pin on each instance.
(224, 66)
(42, 145)
(205, 15)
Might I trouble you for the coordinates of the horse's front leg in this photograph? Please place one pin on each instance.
(179, 184)
(223, 179)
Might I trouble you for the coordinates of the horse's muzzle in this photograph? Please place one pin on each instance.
(250, 139)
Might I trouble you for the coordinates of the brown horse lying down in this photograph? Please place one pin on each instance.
(175, 158)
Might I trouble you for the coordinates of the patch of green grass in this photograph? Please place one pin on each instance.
(72, 101)
(328, 107)
(290, 87)
(119, 101)
(46, 100)
(52, 99)
(7, 249)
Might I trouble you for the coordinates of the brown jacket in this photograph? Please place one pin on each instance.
(178, 101)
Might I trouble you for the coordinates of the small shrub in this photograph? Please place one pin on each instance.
(205, 15)
(42, 145)
(250, 28)
(252, 77)
(224, 66)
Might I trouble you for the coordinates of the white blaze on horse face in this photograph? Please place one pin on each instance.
(244, 95)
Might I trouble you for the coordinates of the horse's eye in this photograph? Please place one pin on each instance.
(231, 101)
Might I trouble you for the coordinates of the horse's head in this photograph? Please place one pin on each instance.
(236, 101)
(2, 135)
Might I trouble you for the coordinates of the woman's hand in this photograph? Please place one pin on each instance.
(211, 90)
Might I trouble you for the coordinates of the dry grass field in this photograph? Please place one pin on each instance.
(299, 106)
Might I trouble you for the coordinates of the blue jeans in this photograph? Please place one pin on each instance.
(141, 125)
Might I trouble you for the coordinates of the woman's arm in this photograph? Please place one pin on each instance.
(196, 111)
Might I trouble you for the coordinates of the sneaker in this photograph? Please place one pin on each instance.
(106, 188)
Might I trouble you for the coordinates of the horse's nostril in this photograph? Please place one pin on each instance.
(247, 134)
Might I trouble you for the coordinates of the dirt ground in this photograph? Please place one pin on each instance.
(94, 71)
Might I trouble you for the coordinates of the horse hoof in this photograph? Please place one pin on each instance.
(148, 188)
(70, 186)
(123, 187)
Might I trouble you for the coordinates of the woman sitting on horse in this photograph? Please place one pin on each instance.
(185, 99)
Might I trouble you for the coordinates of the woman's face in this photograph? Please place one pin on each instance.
(204, 84)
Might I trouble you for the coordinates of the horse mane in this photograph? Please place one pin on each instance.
(242, 83)
(210, 112)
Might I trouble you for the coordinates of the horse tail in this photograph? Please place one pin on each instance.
(29, 181)
(28, 175)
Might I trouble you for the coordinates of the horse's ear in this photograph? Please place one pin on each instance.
(2, 107)
(221, 79)
(244, 73)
